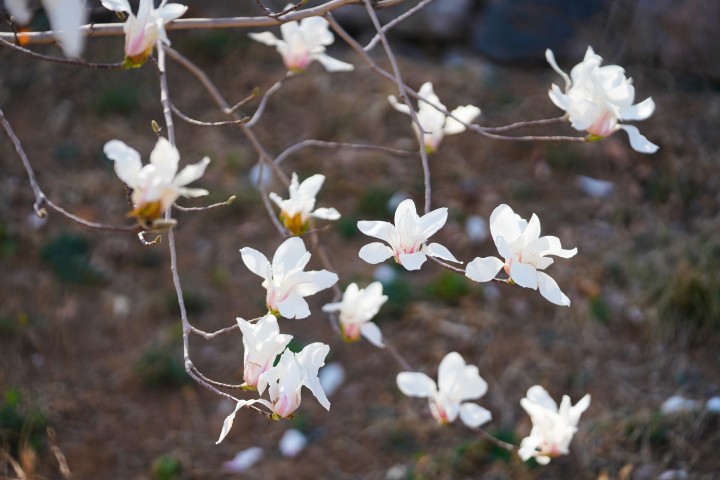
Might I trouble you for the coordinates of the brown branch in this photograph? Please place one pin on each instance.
(66, 61)
(337, 145)
(208, 207)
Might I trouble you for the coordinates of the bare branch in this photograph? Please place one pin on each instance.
(66, 61)
(374, 41)
(337, 145)
(200, 123)
(208, 207)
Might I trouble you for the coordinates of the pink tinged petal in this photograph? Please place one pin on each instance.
(126, 159)
(641, 111)
(326, 214)
(412, 261)
(191, 173)
(415, 384)
(465, 114)
(66, 18)
(255, 261)
(551, 291)
(19, 10)
(333, 64)
(483, 269)
(376, 229)
(294, 306)
(474, 415)
(375, 252)
(637, 141)
(523, 274)
(170, 12)
(117, 5)
(165, 158)
(439, 251)
(372, 333)
(551, 60)
(266, 38)
(400, 107)
(431, 222)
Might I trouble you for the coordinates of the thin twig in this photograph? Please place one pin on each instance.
(337, 145)
(527, 124)
(200, 123)
(211, 335)
(263, 102)
(208, 207)
(488, 436)
(66, 61)
(371, 44)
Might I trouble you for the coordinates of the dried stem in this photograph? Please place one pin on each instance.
(208, 207)
(337, 145)
(374, 41)
(66, 61)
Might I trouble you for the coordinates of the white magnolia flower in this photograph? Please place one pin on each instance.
(302, 43)
(284, 382)
(145, 30)
(457, 382)
(597, 98)
(553, 427)
(434, 123)
(155, 186)
(263, 342)
(357, 308)
(284, 278)
(406, 238)
(525, 253)
(297, 210)
(66, 17)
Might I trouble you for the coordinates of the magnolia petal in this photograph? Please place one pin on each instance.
(375, 252)
(641, 111)
(483, 269)
(406, 210)
(440, 251)
(276, 198)
(171, 11)
(532, 231)
(318, 280)
(117, 5)
(505, 223)
(66, 18)
(400, 107)
(412, 261)
(538, 395)
(292, 254)
(559, 98)
(333, 64)
(267, 38)
(227, 424)
(550, 57)
(294, 306)
(473, 415)
(555, 248)
(326, 213)
(431, 222)
(165, 157)
(193, 192)
(416, 384)
(372, 333)
(126, 159)
(19, 10)
(255, 261)
(465, 114)
(523, 274)
(191, 173)
(637, 141)
(376, 229)
(551, 291)
(316, 32)
(310, 186)
(313, 383)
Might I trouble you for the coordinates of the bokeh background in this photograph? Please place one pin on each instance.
(90, 338)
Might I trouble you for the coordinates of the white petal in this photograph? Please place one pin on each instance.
(523, 274)
(191, 173)
(333, 64)
(171, 11)
(294, 306)
(375, 252)
(465, 114)
(431, 222)
(19, 10)
(192, 192)
(66, 18)
(637, 141)
(165, 157)
(316, 31)
(641, 111)
(117, 5)
(483, 269)
(266, 38)
(407, 209)
(292, 254)
(416, 384)
(227, 424)
(313, 383)
(400, 107)
(505, 223)
(551, 60)
(376, 229)
(255, 261)
(538, 395)
(326, 213)
(372, 333)
(551, 291)
(474, 415)
(440, 251)
(126, 159)
(412, 261)
(311, 185)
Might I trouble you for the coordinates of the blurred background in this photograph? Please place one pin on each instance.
(91, 372)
